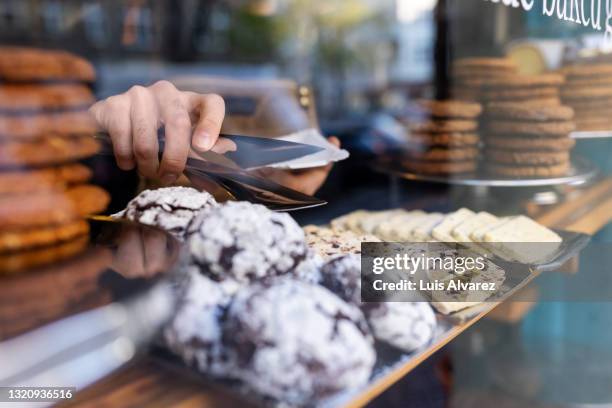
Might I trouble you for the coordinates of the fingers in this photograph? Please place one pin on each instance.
(155, 252)
(145, 120)
(177, 123)
(334, 140)
(129, 258)
(113, 114)
(224, 145)
(211, 110)
(133, 118)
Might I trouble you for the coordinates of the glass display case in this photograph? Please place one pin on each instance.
(481, 124)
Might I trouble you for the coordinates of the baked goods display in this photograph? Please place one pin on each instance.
(44, 132)
(527, 119)
(443, 137)
(588, 90)
(527, 139)
(257, 302)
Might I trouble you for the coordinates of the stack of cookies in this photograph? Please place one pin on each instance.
(527, 139)
(443, 137)
(468, 75)
(588, 90)
(45, 130)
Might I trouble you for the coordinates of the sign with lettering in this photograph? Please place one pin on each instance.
(596, 14)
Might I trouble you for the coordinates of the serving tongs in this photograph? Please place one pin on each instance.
(238, 183)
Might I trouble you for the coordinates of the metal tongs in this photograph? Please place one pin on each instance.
(231, 170)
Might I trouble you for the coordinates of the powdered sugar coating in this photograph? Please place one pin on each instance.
(246, 242)
(195, 333)
(171, 208)
(309, 270)
(405, 325)
(298, 342)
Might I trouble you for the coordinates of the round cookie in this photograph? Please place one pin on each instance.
(88, 199)
(18, 261)
(594, 124)
(528, 111)
(521, 94)
(50, 150)
(195, 332)
(34, 64)
(39, 125)
(405, 325)
(445, 139)
(591, 103)
(35, 209)
(587, 70)
(530, 143)
(172, 209)
(526, 157)
(408, 326)
(51, 178)
(449, 108)
(586, 115)
(588, 82)
(491, 63)
(511, 82)
(298, 343)
(556, 170)
(246, 242)
(16, 240)
(443, 126)
(559, 128)
(581, 92)
(342, 276)
(467, 74)
(440, 168)
(36, 98)
(443, 154)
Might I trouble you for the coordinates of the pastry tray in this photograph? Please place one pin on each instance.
(393, 364)
(580, 172)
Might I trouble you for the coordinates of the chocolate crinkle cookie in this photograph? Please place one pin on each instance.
(246, 242)
(297, 342)
(405, 325)
(173, 209)
(195, 332)
(342, 275)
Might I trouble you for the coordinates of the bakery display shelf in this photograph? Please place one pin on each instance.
(591, 134)
(581, 171)
(393, 364)
(586, 213)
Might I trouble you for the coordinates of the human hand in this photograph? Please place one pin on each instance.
(133, 118)
(307, 181)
